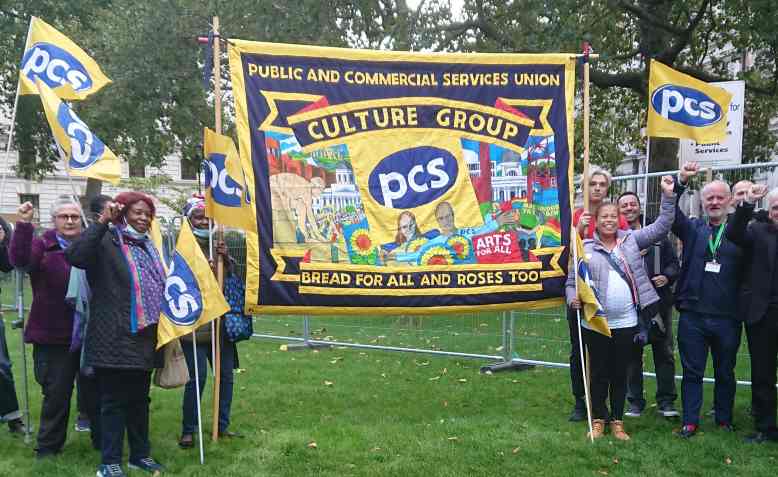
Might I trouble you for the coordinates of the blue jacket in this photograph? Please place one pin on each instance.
(722, 296)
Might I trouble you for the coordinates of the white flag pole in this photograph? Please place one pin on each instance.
(197, 391)
(12, 124)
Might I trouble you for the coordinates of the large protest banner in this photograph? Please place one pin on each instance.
(393, 182)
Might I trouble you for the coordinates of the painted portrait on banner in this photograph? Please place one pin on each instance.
(404, 182)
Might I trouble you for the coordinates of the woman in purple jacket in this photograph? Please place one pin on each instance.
(50, 324)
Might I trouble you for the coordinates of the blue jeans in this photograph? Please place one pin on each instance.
(698, 332)
(189, 425)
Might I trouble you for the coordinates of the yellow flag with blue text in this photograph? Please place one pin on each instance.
(192, 296)
(685, 107)
(85, 154)
(51, 57)
(227, 195)
(590, 303)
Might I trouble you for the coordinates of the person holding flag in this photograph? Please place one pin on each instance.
(622, 288)
(194, 211)
(127, 279)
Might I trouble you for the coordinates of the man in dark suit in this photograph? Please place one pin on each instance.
(758, 304)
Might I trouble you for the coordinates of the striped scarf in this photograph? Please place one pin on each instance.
(147, 279)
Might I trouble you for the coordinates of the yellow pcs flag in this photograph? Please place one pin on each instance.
(85, 154)
(51, 57)
(590, 303)
(684, 107)
(192, 295)
(227, 195)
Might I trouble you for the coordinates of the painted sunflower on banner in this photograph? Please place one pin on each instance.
(361, 247)
(416, 244)
(438, 255)
(461, 247)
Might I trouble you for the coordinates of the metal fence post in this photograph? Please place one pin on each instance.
(25, 379)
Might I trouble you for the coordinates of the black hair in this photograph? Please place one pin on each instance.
(625, 194)
(97, 203)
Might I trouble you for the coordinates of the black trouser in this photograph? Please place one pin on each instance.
(576, 372)
(608, 358)
(124, 405)
(55, 371)
(664, 367)
(9, 405)
(89, 403)
(763, 347)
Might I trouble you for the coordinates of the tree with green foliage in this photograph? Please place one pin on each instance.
(702, 38)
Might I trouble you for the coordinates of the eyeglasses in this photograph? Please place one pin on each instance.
(68, 217)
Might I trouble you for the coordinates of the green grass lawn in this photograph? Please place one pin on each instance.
(379, 413)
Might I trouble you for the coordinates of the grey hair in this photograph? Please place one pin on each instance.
(599, 171)
(771, 196)
(63, 201)
(706, 188)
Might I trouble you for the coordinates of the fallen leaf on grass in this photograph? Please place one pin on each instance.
(453, 438)
(515, 450)
(328, 383)
(445, 403)
(435, 378)
(312, 445)
(728, 460)
(602, 472)
(376, 449)
(615, 460)
(283, 348)
(462, 380)
(240, 370)
(336, 359)
(499, 348)
(421, 363)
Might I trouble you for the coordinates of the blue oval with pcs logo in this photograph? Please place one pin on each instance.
(85, 147)
(413, 177)
(686, 105)
(183, 302)
(55, 67)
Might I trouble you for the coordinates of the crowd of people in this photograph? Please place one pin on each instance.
(97, 292)
(726, 276)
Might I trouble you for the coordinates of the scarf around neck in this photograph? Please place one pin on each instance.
(147, 277)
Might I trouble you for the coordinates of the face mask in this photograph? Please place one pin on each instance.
(201, 233)
(130, 230)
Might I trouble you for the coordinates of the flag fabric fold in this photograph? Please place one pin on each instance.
(54, 59)
(684, 107)
(227, 195)
(192, 295)
(591, 307)
(85, 154)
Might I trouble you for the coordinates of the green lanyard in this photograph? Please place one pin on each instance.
(714, 245)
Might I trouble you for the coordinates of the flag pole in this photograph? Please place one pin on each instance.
(220, 233)
(12, 124)
(645, 177)
(197, 391)
(585, 363)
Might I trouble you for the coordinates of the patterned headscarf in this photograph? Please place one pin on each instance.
(195, 202)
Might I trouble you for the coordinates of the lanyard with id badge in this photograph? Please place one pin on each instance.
(713, 245)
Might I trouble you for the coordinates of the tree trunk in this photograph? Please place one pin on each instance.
(664, 154)
(94, 187)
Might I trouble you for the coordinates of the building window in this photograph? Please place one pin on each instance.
(190, 169)
(34, 199)
(137, 170)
